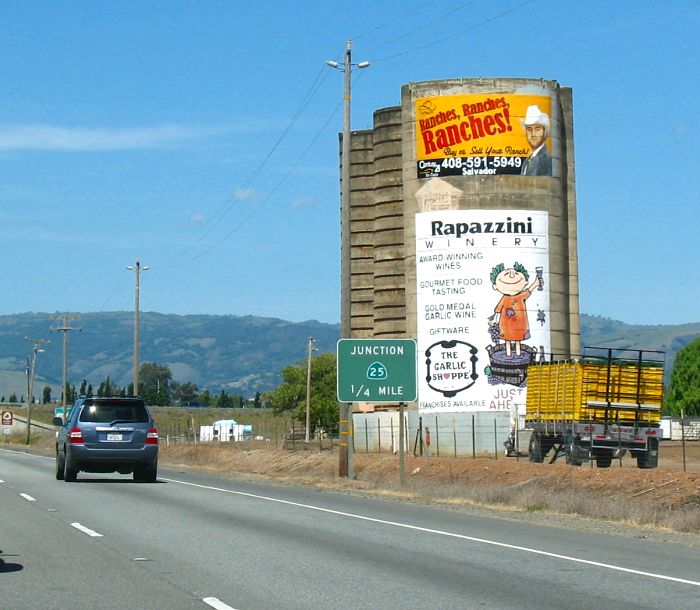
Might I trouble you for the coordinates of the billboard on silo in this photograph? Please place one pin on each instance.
(482, 306)
(483, 134)
(491, 247)
(464, 235)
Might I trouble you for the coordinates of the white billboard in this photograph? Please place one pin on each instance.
(482, 307)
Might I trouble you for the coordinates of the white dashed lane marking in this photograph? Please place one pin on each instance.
(217, 604)
(86, 530)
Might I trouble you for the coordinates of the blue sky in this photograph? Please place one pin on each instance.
(201, 138)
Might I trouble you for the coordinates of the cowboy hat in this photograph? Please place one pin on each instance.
(534, 116)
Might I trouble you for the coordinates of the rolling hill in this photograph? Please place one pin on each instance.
(243, 354)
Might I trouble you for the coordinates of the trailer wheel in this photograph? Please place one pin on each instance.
(534, 450)
(548, 442)
(604, 459)
(649, 458)
(570, 451)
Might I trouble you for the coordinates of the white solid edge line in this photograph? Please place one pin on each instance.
(86, 530)
(448, 534)
(216, 603)
(25, 454)
(27, 497)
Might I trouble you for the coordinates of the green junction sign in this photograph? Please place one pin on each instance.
(377, 370)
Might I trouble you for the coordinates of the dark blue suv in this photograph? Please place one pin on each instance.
(107, 434)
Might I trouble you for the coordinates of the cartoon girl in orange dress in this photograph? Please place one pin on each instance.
(510, 315)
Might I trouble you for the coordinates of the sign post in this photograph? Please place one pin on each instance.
(402, 440)
(379, 371)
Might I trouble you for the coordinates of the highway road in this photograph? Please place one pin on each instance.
(193, 540)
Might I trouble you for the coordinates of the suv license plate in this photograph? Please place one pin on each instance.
(113, 436)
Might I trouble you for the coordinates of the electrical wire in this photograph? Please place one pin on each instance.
(205, 230)
(117, 285)
(277, 186)
(427, 24)
(450, 36)
(391, 21)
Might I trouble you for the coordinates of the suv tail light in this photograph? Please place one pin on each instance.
(152, 436)
(76, 436)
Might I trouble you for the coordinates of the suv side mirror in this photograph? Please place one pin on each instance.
(58, 421)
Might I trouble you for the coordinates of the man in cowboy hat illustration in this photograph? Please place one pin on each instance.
(536, 125)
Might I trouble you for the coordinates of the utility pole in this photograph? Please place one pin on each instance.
(65, 329)
(36, 348)
(137, 269)
(346, 431)
(312, 348)
(27, 369)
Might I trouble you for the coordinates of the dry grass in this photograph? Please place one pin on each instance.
(665, 497)
(626, 495)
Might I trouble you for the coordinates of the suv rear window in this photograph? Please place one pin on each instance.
(114, 410)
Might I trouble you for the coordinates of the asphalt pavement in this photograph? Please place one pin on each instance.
(194, 540)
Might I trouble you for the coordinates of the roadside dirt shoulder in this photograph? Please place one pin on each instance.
(665, 502)
(662, 503)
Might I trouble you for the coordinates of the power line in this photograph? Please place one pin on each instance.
(207, 229)
(425, 24)
(117, 285)
(450, 36)
(394, 20)
(262, 202)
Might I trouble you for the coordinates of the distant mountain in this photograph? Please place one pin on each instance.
(597, 331)
(244, 354)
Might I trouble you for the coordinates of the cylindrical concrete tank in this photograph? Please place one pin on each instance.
(474, 238)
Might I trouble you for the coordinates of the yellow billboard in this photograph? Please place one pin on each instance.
(482, 134)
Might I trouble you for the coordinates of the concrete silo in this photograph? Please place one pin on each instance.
(463, 235)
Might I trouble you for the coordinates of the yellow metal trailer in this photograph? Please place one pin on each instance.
(597, 407)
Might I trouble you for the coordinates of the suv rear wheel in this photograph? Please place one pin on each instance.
(146, 474)
(70, 472)
(60, 466)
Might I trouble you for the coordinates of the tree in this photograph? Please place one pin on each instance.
(83, 388)
(684, 392)
(155, 384)
(46, 398)
(13, 397)
(290, 397)
(107, 388)
(256, 401)
(70, 393)
(225, 401)
(185, 393)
